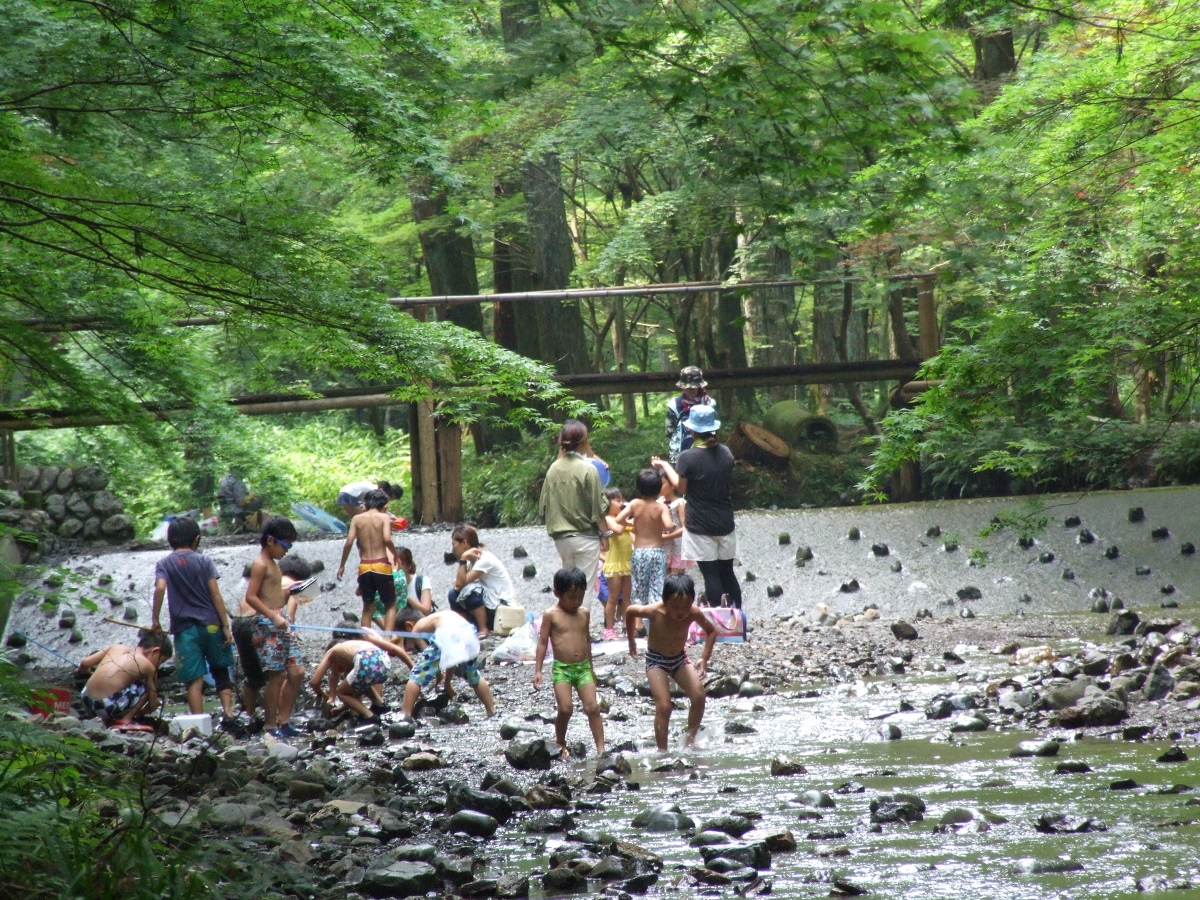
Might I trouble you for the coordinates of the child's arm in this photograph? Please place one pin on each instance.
(393, 649)
(350, 539)
(540, 657)
(319, 675)
(670, 532)
(151, 689)
(214, 591)
(624, 516)
(419, 603)
(710, 639)
(614, 526)
(258, 572)
(90, 662)
(631, 613)
(160, 591)
(677, 481)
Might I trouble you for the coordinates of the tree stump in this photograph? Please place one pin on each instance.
(757, 445)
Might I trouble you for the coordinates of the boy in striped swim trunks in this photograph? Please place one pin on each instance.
(566, 626)
(666, 658)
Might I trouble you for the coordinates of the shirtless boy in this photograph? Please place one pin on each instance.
(565, 625)
(356, 668)
(124, 682)
(372, 531)
(450, 626)
(274, 638)
(666, 657)
(651, 522)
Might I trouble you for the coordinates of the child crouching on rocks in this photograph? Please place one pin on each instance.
(356, 668)
(666, 658)
(124, 679)
(566, 626)
(453, 646)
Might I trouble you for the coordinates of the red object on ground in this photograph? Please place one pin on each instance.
(50, 699)
(399, 523)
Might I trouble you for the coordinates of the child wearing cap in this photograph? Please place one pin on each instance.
(692, 386)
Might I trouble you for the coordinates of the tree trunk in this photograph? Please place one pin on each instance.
(559, 323)
(853, 391)
(995, 54)
(518, 19)
(449, 258)
(515, 323)
(768, 313)
(902, 345)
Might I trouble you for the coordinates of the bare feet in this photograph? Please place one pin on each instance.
(563, 752)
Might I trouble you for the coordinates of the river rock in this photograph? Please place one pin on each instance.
(1112, 552)
(853, 534)
(889, 732)
(421, 762)
(232, 815)
(453, 714)
(733, 726)
(780, 841)
(302, 791)
(512, 727)
(1035, 748)
(532, 754)
(704, 838)
(969, 721)
(667, 817)
(401, 731)
(476, 824)
(888, 808)
(283, 751)
(1187, 548)
(1055, 866)
(65, 480)
(118, 528)
(784, 766)
(400, 878)
(1173, 755)
(1124, 622)
(1159, 682)
(1060, 823)
(1072, 767)
(67, 619)
(91, 478)
(880, 550)
(735, 826)
(903, 631)
(817, 799)
(69, 527)
(461, 797)
(1095, 711)
(753, 854)
(564, 880)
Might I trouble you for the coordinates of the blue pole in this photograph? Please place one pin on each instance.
(401, 634)
(44, 647)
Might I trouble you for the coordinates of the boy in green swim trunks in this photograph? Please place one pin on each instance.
(566, 625)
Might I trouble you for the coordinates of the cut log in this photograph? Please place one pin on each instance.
(754, 444)
(793, 423)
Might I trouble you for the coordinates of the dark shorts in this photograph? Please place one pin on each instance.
(243, 639)
(116, 704)
(200, 648)
(468, 600)
(376, 584)
(344, 499)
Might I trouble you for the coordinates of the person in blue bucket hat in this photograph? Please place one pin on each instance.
(704, 473)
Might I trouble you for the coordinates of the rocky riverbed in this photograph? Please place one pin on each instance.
(882, 740)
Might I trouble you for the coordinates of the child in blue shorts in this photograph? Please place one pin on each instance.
(199, 619)
(450, 633)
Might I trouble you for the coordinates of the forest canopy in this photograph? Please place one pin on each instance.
(284, 167)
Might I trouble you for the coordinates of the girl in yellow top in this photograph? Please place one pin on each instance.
(618, 567)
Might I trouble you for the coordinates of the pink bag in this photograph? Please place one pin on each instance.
(729, 621)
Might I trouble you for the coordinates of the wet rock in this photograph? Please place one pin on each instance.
(753, 854)
(1124, 784)
(722, 686)
(519, 552)
(1159, 683)
(461, 797)
(1072, 767)
(232, 815)
(1098, 710)
(1170, 603)
(401, 731)
(283, 751)
(933, 531)
(400, 878)
(1026, 543)
(1068, 574)
(1112, 552)
(1055, 866)
(1085, 537)
(1124, 622)
(1072, 522)
(849, 587)
(966, 613)
(549, 822)
(667, 817)
(751, 689)
(733, 726)
(512, 727)
(734, 826)
(370, 736)
(804, 554)
(783, 766)
(970, 592)
(783, 538)
(1160, 534)
(1100, 605)
(970, 721)
(889, 732)
(709, 838)
(541, 796)
(67, 619)
(1035, 748)
(889, 808)
(817, 799)
(903, 631)
(422, 762)
(1046, 557)
(453, 714)
(896, 566)
(880, 550)
(1187, 548)
(853, 534)
(1141, 570)
(1137, 514)
(531, 754)
(15, 640)
(512, 887)
(939, 708)
(639, 884)
(303, 791)
(476, 824)
(610, 868)
(774, 590)
(950, 546)
(1173, 755)
(529, 570)
(749, 577)
(1060, 823)
(130, 614)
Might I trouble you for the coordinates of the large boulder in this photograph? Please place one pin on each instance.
(56, 506)
(91, 478)
(754, 854)
(118, 528)
(65, 480)
(69, 527)
(533, 754)
(459, 796)
(400, 878)
(49, 480)
(78, 506)
(105, 504)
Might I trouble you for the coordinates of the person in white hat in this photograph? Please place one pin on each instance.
(704, 473)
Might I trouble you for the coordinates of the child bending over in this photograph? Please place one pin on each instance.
(124, 681)
(357, 668)
(565, 625)
(665, 655)
(452, 634)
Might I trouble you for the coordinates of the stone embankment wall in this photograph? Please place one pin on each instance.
(64, 505)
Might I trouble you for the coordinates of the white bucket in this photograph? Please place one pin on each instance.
(202, 723)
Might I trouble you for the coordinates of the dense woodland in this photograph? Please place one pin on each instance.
(284, 167)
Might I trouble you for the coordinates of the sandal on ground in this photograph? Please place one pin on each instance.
(610, 635)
